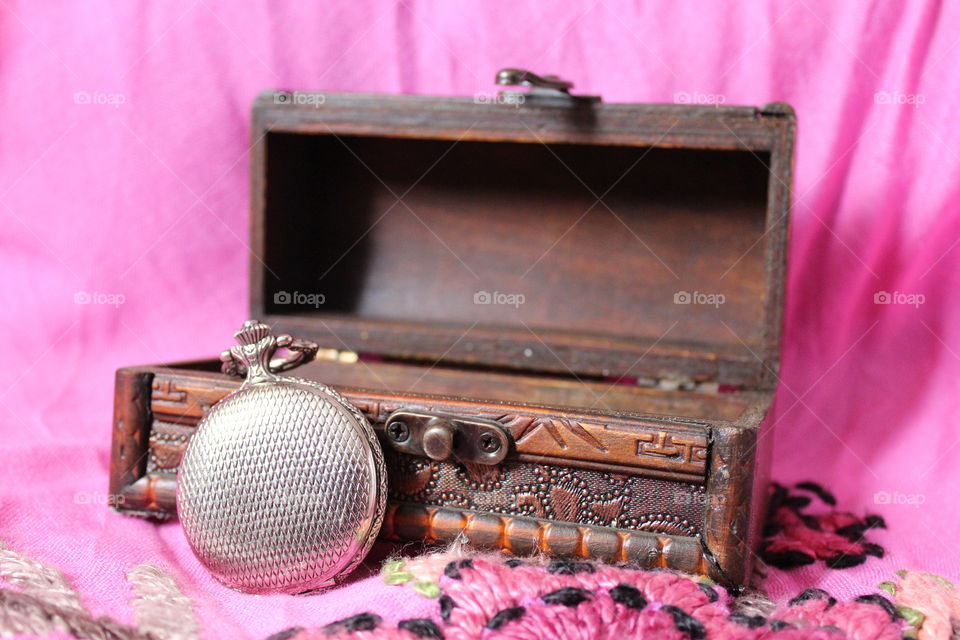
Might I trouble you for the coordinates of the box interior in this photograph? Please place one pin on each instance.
(658, 246)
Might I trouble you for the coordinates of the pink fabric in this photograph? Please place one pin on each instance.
(123, 170)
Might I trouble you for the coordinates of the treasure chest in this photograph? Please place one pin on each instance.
(562, 316)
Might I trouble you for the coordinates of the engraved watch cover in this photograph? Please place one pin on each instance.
(282, 488)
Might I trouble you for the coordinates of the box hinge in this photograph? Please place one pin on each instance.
(538, 89)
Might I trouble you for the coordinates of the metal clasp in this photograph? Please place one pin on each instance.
(538, 87)
(445, 437)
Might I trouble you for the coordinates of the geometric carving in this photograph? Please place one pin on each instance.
(166, 390)
(665, 445)
(538, 434)
(524, 426)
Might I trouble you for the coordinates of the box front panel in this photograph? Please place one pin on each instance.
(552, 492)
(574, 483)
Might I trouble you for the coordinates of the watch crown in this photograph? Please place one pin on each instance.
(252, 332)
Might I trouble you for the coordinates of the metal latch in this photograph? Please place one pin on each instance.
(445, 437)
(538, 87)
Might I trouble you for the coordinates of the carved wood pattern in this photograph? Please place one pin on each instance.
(165, 390)
(166, 446)
(154, 429)
(662, 444)
(516, 488)
(153, 493)
(153, 423)
(524, 426)
(576, 439)
(551, 493)
(524, 535)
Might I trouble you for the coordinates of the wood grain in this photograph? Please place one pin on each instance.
(699, 206)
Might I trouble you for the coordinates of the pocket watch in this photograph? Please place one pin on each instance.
(282, 488)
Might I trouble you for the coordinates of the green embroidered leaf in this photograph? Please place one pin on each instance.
(888, 586)
(392, 566)
(941, 580)
(428, 589)
(399, 577)
(913, 617)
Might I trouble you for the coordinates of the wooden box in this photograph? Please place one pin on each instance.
(604, 282)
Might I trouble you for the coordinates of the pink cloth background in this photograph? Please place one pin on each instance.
(143, 192)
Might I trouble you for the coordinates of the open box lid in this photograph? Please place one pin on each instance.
(554, 235)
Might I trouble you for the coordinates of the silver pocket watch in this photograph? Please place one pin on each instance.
(282, 488)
